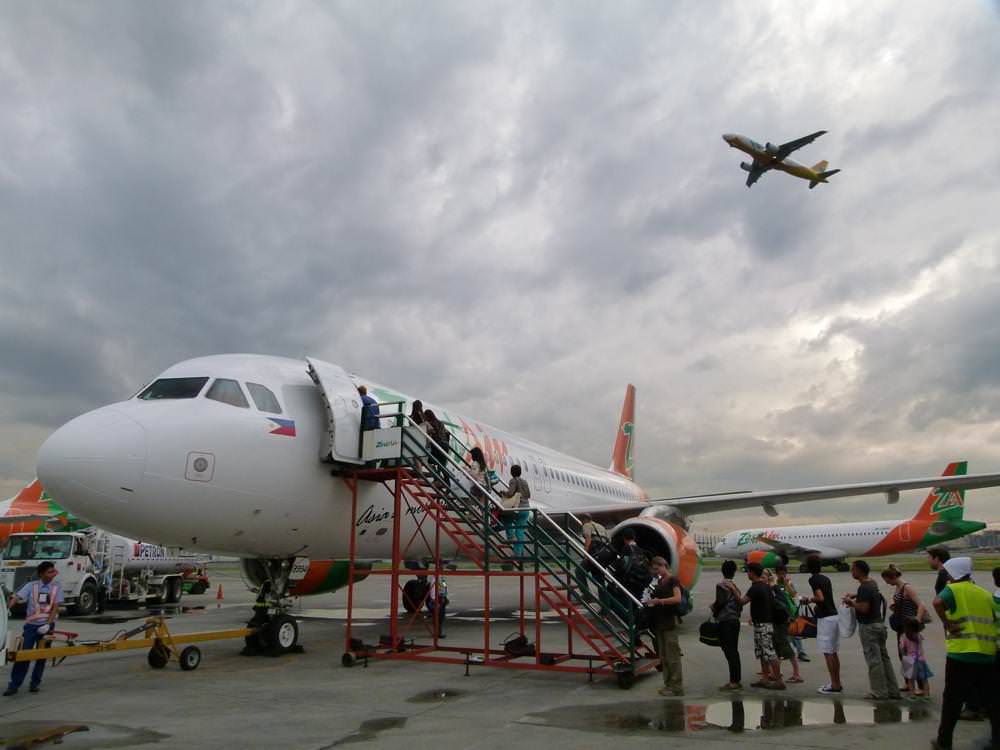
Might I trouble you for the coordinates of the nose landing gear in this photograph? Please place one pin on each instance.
(277, 631)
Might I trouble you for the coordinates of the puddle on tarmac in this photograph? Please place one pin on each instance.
(439, 695)
(731, 716)
(369, 730)
(41, 733)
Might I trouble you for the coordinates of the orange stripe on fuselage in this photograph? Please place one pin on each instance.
(903, 538)
(314, 577)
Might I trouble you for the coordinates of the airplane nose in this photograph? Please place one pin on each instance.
(94, 463)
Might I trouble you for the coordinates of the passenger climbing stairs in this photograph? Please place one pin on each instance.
(435, 486)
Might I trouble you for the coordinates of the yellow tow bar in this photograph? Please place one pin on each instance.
(152, 634)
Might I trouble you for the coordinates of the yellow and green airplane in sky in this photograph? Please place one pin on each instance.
(769, 157)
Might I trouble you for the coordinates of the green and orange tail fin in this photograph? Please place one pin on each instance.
(945, 505)
(621, 457)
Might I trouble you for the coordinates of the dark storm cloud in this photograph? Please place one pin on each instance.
(514, 210)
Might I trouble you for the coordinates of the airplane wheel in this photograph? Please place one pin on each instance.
(803, 568)
(282, 633)
(158, 656)
(843, 567)
(347, 660)
(190, 658)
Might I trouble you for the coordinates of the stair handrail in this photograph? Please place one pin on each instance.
(579, 548)
(574, 542)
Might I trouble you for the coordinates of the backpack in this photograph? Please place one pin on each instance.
(779, 606)
(633, 571)
(685, 605)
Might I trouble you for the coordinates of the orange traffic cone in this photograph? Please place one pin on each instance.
(219, 597)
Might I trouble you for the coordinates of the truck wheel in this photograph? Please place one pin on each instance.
(190, 658)
(172, 591)
(283, 633)
(86, 600)
(158, 656)
(198, 587)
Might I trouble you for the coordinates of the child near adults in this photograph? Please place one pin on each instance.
(759, 598)
(726, 609)
(783, 611)
(793, 598)
(916, 671)
(827, 623)
(905, 605)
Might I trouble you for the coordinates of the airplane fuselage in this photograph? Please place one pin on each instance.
(262, 491)
(837, 541)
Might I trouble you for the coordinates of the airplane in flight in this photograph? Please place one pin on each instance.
(232, 455)
(769, 156)
(938, 520)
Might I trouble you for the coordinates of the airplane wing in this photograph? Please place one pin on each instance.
(797, 552)
(768, 499)
(754, 174)
(786, 148)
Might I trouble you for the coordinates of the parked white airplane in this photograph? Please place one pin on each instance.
(230, 454)
(938, 520)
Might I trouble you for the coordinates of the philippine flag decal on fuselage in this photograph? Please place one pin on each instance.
(283, 426)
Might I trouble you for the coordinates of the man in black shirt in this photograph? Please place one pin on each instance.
(867, 605)
(827, 623)
(936, 558)
(759, 598)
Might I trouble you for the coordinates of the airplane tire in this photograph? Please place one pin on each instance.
(282, 633)
(843, 567)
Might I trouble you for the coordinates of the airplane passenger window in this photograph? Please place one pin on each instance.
(173, 388)
(228, 392)
(264, 398)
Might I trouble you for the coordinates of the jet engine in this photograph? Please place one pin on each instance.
(668, 540)
(745, 167)
(771, 148)
(766, 558)
(321, 576)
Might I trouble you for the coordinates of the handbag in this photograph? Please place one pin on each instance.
(848, 621)
(803, 625)
(708, 633)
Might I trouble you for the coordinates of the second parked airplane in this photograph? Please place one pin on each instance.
(938, 520)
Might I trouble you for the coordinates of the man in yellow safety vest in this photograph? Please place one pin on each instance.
(966, 610)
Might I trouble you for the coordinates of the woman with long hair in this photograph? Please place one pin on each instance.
(905, 605)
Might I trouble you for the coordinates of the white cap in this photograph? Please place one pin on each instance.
(959, 567)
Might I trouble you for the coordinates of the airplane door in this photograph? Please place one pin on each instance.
(343, 412)
(546, 475)
(904, 532)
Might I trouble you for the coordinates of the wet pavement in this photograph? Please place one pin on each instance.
(310, 701)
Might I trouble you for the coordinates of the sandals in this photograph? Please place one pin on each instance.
(795, 680)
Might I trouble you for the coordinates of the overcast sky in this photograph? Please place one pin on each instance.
(514, 209)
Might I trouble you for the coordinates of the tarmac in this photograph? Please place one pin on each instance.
(311, 701)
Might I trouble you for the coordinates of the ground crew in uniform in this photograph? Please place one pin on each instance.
(970, 625)
(43, 597)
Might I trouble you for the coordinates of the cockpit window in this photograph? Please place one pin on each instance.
(264, 398)
(173, 388)
(228, 392)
